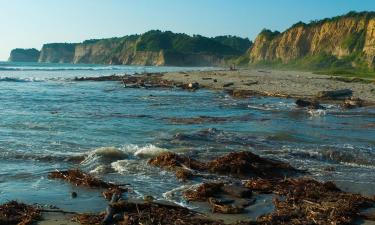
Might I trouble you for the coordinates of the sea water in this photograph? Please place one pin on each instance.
(50, 122)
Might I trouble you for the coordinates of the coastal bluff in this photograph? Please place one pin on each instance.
(346, 41)
(154, 48)
(24, 55)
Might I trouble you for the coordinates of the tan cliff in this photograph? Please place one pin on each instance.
(348, 37)
(151, 48)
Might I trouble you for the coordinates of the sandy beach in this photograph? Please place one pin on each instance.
(293, 84)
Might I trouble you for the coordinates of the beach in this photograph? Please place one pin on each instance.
(293, 84)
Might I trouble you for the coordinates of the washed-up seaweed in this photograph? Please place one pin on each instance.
(18, 214)
(79, 178)
(237, 164)
(129, 213)
(181, 165)
(307, 201)
(235, 200)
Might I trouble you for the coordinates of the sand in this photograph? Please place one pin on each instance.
(274, 83)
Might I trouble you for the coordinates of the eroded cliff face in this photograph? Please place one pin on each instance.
(151, 48)
(344, 36)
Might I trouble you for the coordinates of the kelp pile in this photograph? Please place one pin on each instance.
(237, 164)
(79, 178)
(129, 213)
(306, 201)
(18, 214)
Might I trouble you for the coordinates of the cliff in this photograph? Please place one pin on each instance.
(24, 55)
(151, 48)
(346, 41)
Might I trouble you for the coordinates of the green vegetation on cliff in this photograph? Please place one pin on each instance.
(24, 55)
(342, 44)
(151, 48)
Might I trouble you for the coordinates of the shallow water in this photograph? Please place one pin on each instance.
(48, 122)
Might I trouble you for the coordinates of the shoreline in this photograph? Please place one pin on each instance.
(276, 83)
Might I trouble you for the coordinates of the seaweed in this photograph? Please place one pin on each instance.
(18, 214)
(79, 178)
(237, 164)
(307, 201)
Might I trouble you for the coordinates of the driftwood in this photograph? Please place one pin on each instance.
(334, 95)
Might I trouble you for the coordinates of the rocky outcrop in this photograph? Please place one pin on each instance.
(57, 53)
(24, 55)
(347, 40)
(151, 48)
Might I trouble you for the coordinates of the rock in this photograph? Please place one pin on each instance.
(309, 104)
(73, 194)
(194, 85)
(352, 103)
(228, 84)
(237, 191)
(334, 95)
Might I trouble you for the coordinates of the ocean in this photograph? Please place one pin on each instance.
(50, 122)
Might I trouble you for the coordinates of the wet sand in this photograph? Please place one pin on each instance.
(293, 84)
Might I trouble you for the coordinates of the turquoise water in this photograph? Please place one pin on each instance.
(48, 121)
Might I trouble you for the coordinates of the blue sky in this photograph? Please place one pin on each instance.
(26, 23)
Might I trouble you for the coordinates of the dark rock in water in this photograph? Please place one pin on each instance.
(237, 191)
(102, 78)
(334, 95)
(309, 104)
(74, 194)
(352, 103)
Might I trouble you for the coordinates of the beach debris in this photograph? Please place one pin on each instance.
(183, 166)
(204, 191)
(352, 103)
(135, 213)
(225, 207)
(307, 201)
(222, 198)
(15, 213)
(228, 84)
(238, 93)
(193, 86)
(246, 164)
(335, 95)
(309, 104)
(80, 178)
(237, 164)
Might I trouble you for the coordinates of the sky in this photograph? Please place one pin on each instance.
(30, 24)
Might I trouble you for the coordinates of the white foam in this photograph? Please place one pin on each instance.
(317, 112)
(149, 151)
